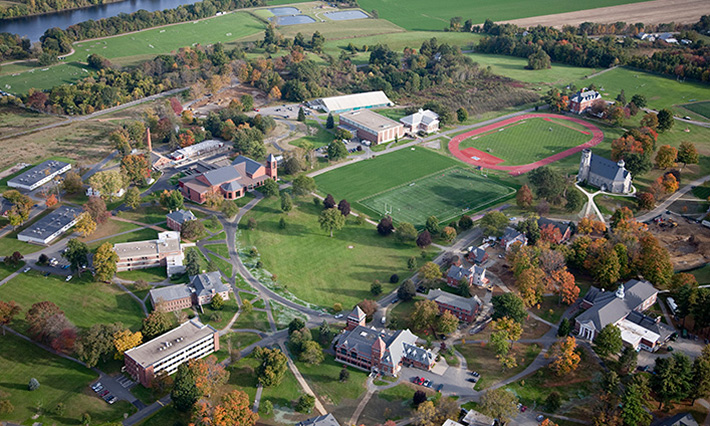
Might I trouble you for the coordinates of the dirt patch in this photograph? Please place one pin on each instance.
(688, 242)
(650, 12)
(222, 99)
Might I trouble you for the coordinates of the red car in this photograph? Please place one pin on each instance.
(418, 380)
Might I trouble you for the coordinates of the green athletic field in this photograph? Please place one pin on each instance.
(439, 186)
(701, 108)
(661, 92)
(421, 15)
(447, 195)
(528, 141)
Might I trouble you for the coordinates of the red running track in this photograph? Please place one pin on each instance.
(489, 161)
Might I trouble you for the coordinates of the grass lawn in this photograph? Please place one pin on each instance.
(242, 376)
(15, 119)
(702, 274)
(608, 204)
(226, 313)
(482, 358)
(399, 315)
(130, 49)
(325, 380)
(108, 228)
(282, 314)
(550, 310)
(167, 415)
(141, 234)
(10, 244)
(223, 266)
(239, 340)
(256, 320)
(154, 274)
(534, 389)
(446, 194)
(85, 303)
(525, 142)
(212, 224)
(318, 136)
(145, 214)
(220, 249)
(701, 108)
(514, 67)
(6, 270)
(661, 92)
(423, 15)
(217, 237)
(60, 381)
(319, 269)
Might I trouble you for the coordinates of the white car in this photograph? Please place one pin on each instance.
(69, 277)
(338, 316)
(26, 270)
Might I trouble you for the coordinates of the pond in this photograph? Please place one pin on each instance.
(293, 20)
(283, 11)
(346, 15)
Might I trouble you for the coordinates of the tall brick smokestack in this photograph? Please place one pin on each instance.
(148, 141)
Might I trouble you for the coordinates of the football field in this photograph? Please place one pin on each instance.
(446, 194)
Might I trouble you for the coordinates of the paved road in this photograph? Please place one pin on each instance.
(99, 165)
(670, 200)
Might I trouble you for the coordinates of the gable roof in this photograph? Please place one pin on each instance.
(607, 169)
(608, 308)
(458, 272)
(232, 186)
(181, 216)
(250, 165)
(205, 283)
(422, 116)
(170, 293)
(469, 304)
(399, 344)
(511, 234)
(357, 314)
(680, 419)
(478, 254)
(562, 226)
(325, 420)
(221, 175)
(587, 95)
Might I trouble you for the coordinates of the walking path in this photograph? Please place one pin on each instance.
(301, 381)
(590, 205)
(673, 198)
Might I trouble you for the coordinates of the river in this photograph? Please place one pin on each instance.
(33, 27)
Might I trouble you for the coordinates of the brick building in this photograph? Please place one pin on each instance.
(371, 126)
(165, 251)
(178, 218)
(583, 100)
(200, 291)
(464, 308)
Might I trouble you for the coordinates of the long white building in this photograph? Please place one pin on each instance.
(39, 175)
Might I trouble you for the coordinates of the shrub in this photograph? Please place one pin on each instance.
(394, 278)
(216, 317)
(267, 407)
(59, 409)
(33, 384)
(251, 223)
(305, 403)
(337, 307)
(6, 406)
(344, 374)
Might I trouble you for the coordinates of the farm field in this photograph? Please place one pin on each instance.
(446, 195)
(84, 302)
(514, 67)
(528, 141)
(661, 92)
(424, 15)
(319, 269)
(60, 380)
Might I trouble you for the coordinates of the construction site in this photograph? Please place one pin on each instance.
(687, 241)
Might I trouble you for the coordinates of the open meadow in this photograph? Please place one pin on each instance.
(60, 380)
(422, 15)
(319, 269)
(514, 67)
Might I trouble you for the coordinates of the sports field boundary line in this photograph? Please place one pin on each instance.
(407, 183)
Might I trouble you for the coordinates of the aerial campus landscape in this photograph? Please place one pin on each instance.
(355, 212)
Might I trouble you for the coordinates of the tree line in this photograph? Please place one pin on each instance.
(35, 7)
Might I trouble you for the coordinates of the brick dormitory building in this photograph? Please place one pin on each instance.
(165, 353)
(200, 291)
(383, 351)
(165, 251)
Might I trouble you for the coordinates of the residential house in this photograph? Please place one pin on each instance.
(325, 420)
(581, 101)
(383, 351)
(178, 218)
(477, 255)
(165, 251)
(512, 236)
(426, 121)
(229, 182)
(624, 309)
(165, 353)
(473, 275)
(198, 292)
(565, 228)
(474, 418)
(603, 173)
(464, 308)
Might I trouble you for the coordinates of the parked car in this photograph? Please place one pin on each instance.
(65, 267)
(46, 274)
(27, 269)
(104, 393)
(439, 387)
(112, 400)
(395, 300)
(69, 278)
(540, 418)
(338, 316)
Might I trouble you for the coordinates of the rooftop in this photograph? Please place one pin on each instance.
(205, 283)
(607, 169)
(468, 304)
(181, 216)
(354, 101)
(370, 119)
(170, 293)
(37, 173)
(169, 343)
(325, 420)
(197, 148)
(422, 116)
(53, 222)
(250, 165)
(167, 242)
(608, 307)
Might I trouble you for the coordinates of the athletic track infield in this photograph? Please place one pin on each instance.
(488, 161)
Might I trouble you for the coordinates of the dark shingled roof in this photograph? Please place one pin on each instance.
(680, 419)
(181, 216)
(204, 283)
(607, 169)
(251, 166)
(608, 308)
(223, 174)
(326, 420)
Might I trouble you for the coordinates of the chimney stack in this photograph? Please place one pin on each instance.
(148, 141)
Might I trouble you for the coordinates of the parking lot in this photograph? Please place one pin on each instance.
(112, 389)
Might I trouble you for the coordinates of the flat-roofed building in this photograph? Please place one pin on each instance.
(51, 226)
(39, 175)
(371, 126)
(197, 150)
(165, 251)
(354, 102)
(191, 340)
(200, 291)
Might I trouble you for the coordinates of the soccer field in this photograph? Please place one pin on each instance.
(446, 194)
(529, 140)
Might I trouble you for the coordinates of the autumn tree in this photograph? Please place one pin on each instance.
(666, 157)
(500, 404)
(331, 220)
(565, 358)
(85, 226)
(531, 285)
(48, 324)
(96, 207)
(447, 323)
(136, 167)
(8, 311)
(567, 288)
(234, 409)
(172, 200)
(104, 261)
(72, 183)
(646, 200)
(448, 233)
(654, 261)
(125, 340)
(209, 374)
(687, 153)
(524, 197)
(50, 201)
(424, 314)
(107, 183)
(430, 271)
(424, 239)
(133, 197)
(96, 343)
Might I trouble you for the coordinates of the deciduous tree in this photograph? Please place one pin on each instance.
(108, 183)
(509, 305)
(185, 393)
(565, 358)
(96, 207)
(424, 314)
(172, 200)
(136, 167)
(76, 253)
(104, 261)
(666, 157)
(303, 185)
(500, 404)
(406, 232)
(424, 239)
(8, 311)
(430, 271)
(331, 220)
(665, 120)
(86, 225)
(72, 183)
(687, 153)
(133, 197)
(493, 223)
(385, 227)
(447, 323)
(157, 323)
(524, 197)
(273, 366)
(125, 340)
